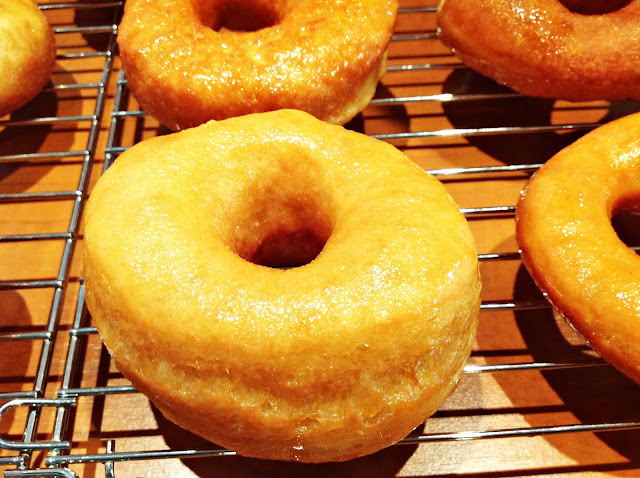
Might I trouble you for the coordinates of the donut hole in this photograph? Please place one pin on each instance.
(594, 7)
(278, 223)
(627, 227)
(287, 249)
(289, 243)
(239, 15)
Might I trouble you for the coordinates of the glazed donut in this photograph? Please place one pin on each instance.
(27, 55)
(344, 352)
(190, 61)
(542, 48)
(570, 247)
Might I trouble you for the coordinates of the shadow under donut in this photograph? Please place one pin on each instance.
(590, 395)
(28, 139)
(382, 117)
(97, 15)
(512, 111)
(385, 463)
(598, 394)
(15, 355)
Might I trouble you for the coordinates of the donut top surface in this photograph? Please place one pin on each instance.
(192, 212)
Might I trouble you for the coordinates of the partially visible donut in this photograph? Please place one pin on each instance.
(190, 61)
(544, 48)
(27, 55)
(338, 356)
(570, 247)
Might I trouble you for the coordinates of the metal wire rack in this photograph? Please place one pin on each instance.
(80, 73)
(482, 135)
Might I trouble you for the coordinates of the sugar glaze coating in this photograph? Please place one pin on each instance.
(187, 61)
(331, 360)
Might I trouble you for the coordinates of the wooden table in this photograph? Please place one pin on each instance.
(535, 401)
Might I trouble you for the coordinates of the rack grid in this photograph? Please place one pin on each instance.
(30, 142)
(477, 138)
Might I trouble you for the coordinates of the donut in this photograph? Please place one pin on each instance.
(548, 49)
(569, 246)
(27, 55)
(190, 61)
(281, 286)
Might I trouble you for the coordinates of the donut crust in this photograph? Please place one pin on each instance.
(328, 361)
(322, 57)
(27, 56)
(563, 226)
(541, 48)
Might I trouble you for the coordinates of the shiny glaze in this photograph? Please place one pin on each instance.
(541, 48)
(570, 247)
(321, 57)
(27, 55)
(327, 361)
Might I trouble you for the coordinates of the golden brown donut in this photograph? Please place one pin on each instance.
(336, 357)
(27, 55)
(190, 61)
(543, 48)
(570, 247)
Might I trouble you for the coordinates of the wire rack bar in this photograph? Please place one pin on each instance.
(135, 455)
(48, 120)
(485, 170)
(71, 365)
(26, 284)
(494, 131)
(14, 395)
(96, 29)
(405, 10)
(443, 98)
(25, 336)
(80, 5)
(11, 158)
(50, 472)
(521, 432)
(35, 237)
(83, 55)
(74, 86)
(44, 196)
(538, 366)
(416, 37)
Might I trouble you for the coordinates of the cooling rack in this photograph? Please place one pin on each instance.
(56, 134)
(533, 401)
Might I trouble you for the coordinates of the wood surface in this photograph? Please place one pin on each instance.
(500, 400)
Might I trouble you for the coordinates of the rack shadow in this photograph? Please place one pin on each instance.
(512, 112)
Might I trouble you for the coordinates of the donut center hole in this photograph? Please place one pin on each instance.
(627, 227)
(275, 226)
(286, 234)
(240, 15)
(594, 7)
(285, 249)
